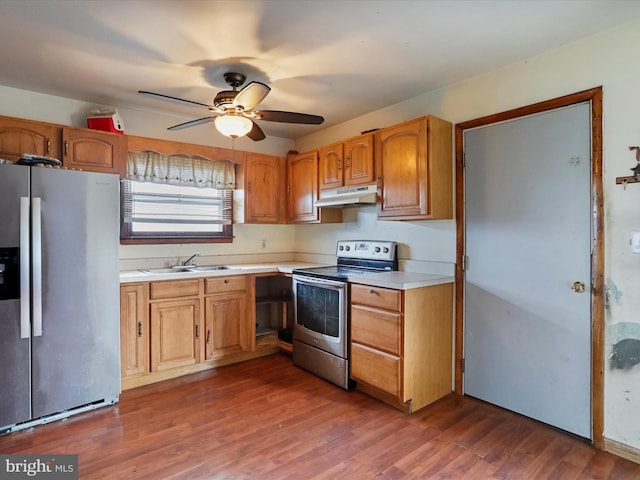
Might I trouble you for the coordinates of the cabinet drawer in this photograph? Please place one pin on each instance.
(224, 284)
(377, 297)
(375, 368)
(173, 289)
(377, 328)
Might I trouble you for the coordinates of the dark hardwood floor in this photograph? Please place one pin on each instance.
(266, 419)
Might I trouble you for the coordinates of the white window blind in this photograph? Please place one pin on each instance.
(150, 203)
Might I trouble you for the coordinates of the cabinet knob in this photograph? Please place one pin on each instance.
(139, 329)
(372, 291)
(226, 280)
(208, 336)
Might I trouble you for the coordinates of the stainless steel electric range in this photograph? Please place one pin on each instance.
(321, 304)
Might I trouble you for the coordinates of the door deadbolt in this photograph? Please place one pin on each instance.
(577, 287)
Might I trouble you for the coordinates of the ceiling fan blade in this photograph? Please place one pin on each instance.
(251, 95)
(256, 134)
(289, 117)
(191, 123)
(175, 99)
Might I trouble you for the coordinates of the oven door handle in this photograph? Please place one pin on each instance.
(318, 281)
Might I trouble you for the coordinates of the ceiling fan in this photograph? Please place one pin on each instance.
(234, 109)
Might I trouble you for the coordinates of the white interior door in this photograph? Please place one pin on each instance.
(527, 341)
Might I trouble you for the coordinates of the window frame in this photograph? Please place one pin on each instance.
(128, 236)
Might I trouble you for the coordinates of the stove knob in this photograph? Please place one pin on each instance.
(347, 248)
(377, 249)
(341, 248)
(386, 249)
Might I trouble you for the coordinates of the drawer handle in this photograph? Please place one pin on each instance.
(208, 336)
(139, 329)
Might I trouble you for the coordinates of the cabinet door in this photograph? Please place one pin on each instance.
(94, 151)
(401, 153)
(303, 187)
(23, 136)
(226, 325)
(358, 160)
(264, 184)
(175, 334)
(134, 330)
(330, 166)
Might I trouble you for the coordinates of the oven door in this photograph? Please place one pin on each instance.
(321, 314)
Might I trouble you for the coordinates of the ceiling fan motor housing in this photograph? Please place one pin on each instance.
(224, 100)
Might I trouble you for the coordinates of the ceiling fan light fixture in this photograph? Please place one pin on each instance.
(233, 126)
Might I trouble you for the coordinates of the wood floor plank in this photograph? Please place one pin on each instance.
(266, 419)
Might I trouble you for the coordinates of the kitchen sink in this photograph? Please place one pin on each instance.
(185, 269)
(162, 271)
(207, 268)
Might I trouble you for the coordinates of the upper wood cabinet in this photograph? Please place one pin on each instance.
(302, 187)
(414, 167)
(302, 191)
(94, 150)
(77, 148)
(347, 163)
(19, 136)
(260, 193)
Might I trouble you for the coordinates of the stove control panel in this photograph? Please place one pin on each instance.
(367, 249)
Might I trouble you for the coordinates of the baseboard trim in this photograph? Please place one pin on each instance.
(622, 450)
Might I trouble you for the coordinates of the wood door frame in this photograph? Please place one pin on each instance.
(594, 96)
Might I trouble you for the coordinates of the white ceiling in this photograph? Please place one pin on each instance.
(338, 59)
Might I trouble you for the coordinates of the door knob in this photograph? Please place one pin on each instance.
(577, 287)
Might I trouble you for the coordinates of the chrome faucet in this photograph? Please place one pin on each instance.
(186, 262)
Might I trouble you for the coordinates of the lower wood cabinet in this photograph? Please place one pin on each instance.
(176, 327)
(175, 332)
(401, 343)
(134, 330)
(228, 329)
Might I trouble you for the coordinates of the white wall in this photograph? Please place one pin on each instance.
(608, 59)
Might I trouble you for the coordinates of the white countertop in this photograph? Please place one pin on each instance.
(133, 276)
(401, 280)
(395, 280)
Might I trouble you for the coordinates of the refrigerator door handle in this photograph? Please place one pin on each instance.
(36, 242)
(25, 267)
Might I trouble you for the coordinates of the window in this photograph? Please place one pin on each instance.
(160, 203)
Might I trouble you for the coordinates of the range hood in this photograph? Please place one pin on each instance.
(348, 196)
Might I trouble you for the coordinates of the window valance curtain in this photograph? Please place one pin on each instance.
(182, 170)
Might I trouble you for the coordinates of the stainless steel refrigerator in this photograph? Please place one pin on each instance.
(59, 293)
